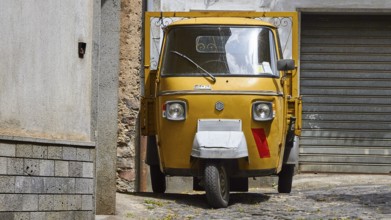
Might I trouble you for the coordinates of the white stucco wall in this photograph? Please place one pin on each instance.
(266, 5)
(45, 88)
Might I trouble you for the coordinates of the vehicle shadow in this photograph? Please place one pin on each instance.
(199, 199)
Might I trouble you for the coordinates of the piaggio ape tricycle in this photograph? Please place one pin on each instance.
(222, 106)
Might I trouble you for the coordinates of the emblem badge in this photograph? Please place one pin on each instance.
(219, 106)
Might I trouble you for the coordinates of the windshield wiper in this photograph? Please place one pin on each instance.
(195, 64)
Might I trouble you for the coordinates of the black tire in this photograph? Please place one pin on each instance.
(285, 178)
(158, 179)
(216, 185)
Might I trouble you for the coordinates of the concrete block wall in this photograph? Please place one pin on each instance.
(39, 181)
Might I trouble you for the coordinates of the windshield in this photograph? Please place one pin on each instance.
(220, 51)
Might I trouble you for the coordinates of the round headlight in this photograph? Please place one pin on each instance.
(262, 111)
(175, 110)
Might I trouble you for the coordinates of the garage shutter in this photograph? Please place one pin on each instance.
(346, 89)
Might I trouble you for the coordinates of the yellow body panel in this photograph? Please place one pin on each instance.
(175, 138)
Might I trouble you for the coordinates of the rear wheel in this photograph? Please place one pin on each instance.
(216, 185)
(285, 178)
(158, 179)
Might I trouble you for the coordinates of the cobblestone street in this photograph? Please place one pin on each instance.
(314, 196)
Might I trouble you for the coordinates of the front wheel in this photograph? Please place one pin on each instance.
(158, 179)
(216, 185)
(285, 178)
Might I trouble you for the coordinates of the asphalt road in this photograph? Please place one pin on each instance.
(314, 196)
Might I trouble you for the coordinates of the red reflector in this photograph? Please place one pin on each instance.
(261, 141)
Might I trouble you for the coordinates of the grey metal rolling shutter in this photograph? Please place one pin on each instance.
(346, 89)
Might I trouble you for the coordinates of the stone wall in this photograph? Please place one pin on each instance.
(129, 93)
(39, 181)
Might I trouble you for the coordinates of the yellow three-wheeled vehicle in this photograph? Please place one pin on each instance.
(220, 107)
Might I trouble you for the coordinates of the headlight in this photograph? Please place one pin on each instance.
(174, 110)
(263, 111)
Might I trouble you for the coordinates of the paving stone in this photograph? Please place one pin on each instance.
(313, 197)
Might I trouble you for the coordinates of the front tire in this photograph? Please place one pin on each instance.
(158, 179)
(216, 185)
(285, 178)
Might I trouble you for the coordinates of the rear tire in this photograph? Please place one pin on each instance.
(158, 179)
(285, 178)
(216, 185)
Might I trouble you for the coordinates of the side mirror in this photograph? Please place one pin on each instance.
(285, 65)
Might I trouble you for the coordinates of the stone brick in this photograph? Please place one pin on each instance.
(83, 154)
(23, 184)
(15, 166)
(84, 186)
(75, 169)
(30, 202)
(69, 153)
(55, 152)
(11, 202)
(60, 202)
(61, 168)
(88, 169)
(86, 202)
(83, 215)
(45, 202)
(69, 215)
(40, 152)
(58, 185)
(37, 185)
(22, 216)
(24, 150)
(26, 184)
(7, 215)
(7, 150)
(74, 202)
(53, 215)
(7, 184)
(3, 165)
(46, 168)
(31, 167)
(37, 215)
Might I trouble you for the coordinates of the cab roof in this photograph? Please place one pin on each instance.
(221, 21)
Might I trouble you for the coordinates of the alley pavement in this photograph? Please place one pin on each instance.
(314, 196)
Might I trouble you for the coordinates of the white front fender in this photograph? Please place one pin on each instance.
(219, 145)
